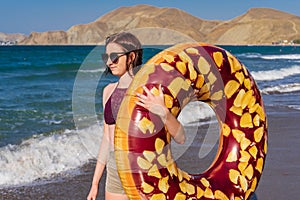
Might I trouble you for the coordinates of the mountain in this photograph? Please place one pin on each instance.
(160, 20)
(257, 26)
(154, 25)
(6, 39)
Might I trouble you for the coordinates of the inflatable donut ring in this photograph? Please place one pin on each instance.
(189, 72)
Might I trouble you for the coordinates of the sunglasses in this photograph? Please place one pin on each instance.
(114, 56)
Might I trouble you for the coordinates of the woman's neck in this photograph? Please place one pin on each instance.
(125, 80)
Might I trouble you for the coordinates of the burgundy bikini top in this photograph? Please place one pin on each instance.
(113, 104)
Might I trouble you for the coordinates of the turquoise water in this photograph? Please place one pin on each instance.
(46, 90)
(35, 89)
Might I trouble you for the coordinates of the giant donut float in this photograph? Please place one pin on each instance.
(189, 72)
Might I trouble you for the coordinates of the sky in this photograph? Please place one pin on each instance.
(26, 16)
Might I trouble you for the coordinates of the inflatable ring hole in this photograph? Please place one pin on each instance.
(202, 138)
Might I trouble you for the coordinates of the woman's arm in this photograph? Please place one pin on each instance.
(156, 105)
(100, 165)
(103, 150)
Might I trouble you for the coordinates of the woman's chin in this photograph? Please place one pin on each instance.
(115, 73)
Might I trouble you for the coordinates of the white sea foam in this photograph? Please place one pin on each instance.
(296, 107)
(287, 88)
(270, 57)
(44, 156)
(194, 112)
(249, 55)
(92, 70)
(282, 57)
(276, 74)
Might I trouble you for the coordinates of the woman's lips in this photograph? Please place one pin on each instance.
(112, 67)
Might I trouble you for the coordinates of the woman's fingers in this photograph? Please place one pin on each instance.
(150, 101)
(141, 100)
(146, 97)
(147, 91)
(141, 97)
(139, 103)
(160, 90)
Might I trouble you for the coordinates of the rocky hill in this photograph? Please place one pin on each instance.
(10, 39)
(155, 25)
(257, 26)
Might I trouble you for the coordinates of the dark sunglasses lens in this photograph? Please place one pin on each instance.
(114, 57)
(104, 57)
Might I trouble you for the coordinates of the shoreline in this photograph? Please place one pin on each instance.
(279, 180)
(99, 44)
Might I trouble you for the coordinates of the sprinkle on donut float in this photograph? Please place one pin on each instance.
(192, 72)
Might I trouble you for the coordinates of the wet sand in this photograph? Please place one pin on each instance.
(281, 175)
(280, 178)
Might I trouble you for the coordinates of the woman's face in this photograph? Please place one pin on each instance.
(117, 58)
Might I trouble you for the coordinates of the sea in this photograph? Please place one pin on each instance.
(51, 103)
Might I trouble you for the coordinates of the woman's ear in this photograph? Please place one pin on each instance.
(131, 57)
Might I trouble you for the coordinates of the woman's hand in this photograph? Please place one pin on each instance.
(93, 193)
(155, 104)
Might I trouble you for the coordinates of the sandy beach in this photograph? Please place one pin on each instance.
(279, 180)
(281, 175)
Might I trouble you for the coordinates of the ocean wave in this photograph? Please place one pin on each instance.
(281, 57)
(279, 89)
(276, 74)
(296, 107)
(43, 156)
(61, 64)
(92, 70)
(194, 112)
(270, 57)
(249, 55)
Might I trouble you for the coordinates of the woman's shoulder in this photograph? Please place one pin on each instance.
(107, 91)
(110, 87)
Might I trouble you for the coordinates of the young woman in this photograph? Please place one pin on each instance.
(123, 55)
